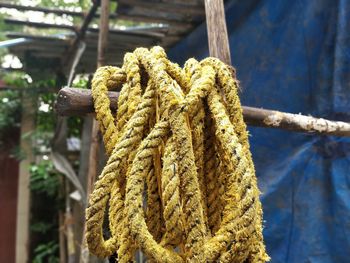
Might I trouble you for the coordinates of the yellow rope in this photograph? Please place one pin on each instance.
(180, 179)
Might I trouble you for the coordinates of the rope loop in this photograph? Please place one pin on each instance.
(180, 181)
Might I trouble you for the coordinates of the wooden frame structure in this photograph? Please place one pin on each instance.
(75, 101)
(161, 26)
(180, 17)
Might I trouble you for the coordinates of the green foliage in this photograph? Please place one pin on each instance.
(46, 253)
(75, 125)
(6, 27)
(44, 184)
(44, 178)
(11, 104)
(81, 81)
(17, 79)
(2, 26)
(10, 109)
(84, 4)
(41, 227)
(46, 117)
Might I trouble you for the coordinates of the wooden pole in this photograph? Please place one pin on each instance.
(71, 57)
(87, 20)
(94, 146)
(73, 101)
(23, 203)
(80, 35)
(217, 30)
(102, 45)
(103, 35)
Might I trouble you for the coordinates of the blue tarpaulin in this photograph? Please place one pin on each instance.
(294, 56)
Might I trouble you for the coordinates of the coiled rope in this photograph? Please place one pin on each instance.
(179, 183)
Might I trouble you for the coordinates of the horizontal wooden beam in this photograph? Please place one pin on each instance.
(151, 19)
(83, 15)
(48, 10)
(11, 21)
(155, 35)
(165, 7)
(73, 101)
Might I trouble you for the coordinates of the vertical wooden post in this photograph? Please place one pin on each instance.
(93, 157)
(102, 45)
(23, 200)
(103, 35)
(217, 30)
(62, 236)
(94, 146)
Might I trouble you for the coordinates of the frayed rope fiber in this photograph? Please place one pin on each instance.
(179, 183)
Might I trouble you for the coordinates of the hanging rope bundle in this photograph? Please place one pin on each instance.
(179, 183)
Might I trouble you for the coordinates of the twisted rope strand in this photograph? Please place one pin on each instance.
(171, 197)
(186, 140)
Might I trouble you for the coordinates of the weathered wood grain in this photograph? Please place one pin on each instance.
(73, 101)
(217, 31)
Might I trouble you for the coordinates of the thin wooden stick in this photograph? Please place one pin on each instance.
(294, 122)
(73, 101)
